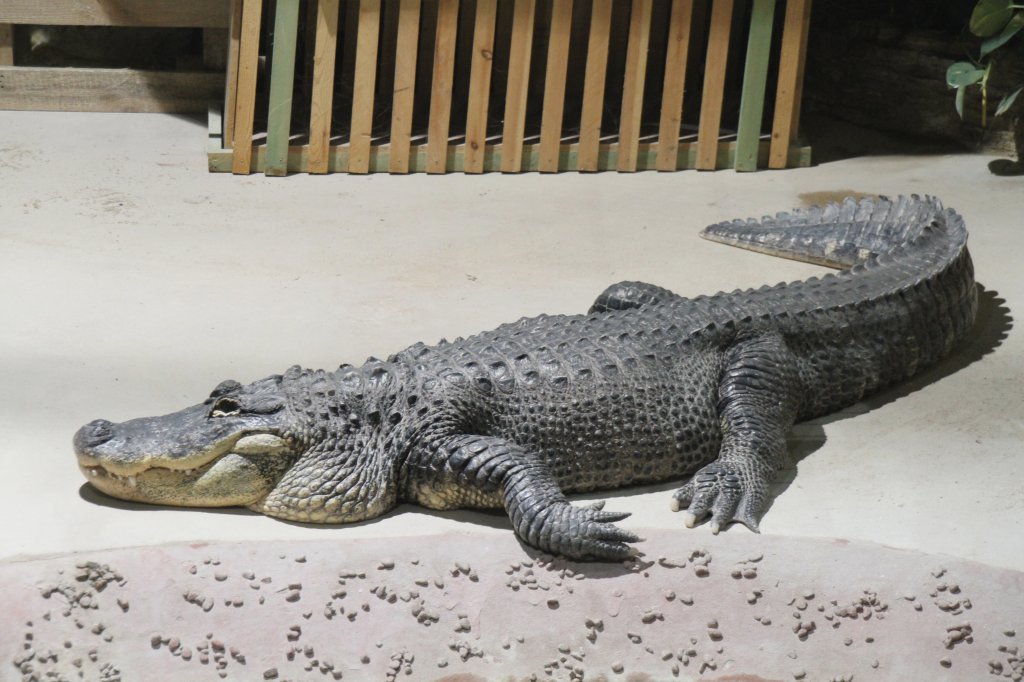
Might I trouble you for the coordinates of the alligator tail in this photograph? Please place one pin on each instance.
(839, 235)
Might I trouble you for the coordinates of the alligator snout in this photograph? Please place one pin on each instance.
(93, 434)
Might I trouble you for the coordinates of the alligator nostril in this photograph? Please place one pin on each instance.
(94, 433)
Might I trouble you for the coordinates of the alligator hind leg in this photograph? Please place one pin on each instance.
(758, 397)
(626, 295)
(482, 470)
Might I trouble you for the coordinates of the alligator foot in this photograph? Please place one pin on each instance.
(726, 492)
(578, 532)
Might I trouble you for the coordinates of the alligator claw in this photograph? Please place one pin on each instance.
(583, 533)
(725, 493)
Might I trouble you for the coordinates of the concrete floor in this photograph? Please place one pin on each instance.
(132, 281)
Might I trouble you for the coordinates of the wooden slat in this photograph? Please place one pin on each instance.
(441, 86)
(322, 101)
(791, 77)
(6, 45)
(593, 84)
(362, 95)
(231, 87)
(40, 88)
(182, 13)
(554, 86)
(755, 79)
(480, 85)
(633, 86)
(245, 101)
(714, 85)
(405, 85)
(282, 79)
(676, 56)
(518, 86)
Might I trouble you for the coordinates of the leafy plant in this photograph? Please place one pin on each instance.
(996, 22)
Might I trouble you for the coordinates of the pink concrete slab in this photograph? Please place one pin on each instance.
(481, 607)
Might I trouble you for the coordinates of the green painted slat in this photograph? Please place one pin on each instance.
(755, 79)
(282, 77)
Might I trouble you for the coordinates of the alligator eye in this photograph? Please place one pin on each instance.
(225, 407)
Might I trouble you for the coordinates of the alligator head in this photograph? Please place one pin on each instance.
(293, 446)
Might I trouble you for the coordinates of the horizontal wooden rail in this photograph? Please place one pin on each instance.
(166, 13)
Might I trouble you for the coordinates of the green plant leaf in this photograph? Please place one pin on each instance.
(960, 101)
(990, 16)
(1015, 24)
(963, 73)
(1007, 101)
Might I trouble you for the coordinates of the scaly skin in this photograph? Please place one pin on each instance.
(648, 386)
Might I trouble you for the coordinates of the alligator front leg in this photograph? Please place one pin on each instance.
(759, 395)
(628, 295)
(482, 470)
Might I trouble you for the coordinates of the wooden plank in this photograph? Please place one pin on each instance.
(6, 45)
(554, 86)
(755, 79)
(441, 86)
(714, 85)
(791, 78)
(593, 84)
(362, 95)
(518, 86)
(676, 55)
(633, 86)
(405, 85)
(169, 13)
(38, 88)
(231, 86)
(322, 100)
(282, 80)
(480, 85)
(245, 102)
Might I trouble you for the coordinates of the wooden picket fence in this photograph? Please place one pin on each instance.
(473, 86)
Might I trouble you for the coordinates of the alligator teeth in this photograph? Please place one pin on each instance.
(94, 472)
(131, 481)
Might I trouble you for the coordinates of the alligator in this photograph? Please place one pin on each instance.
(647, 386)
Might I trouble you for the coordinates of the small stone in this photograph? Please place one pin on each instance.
(386, 565)
(220, 577)
(617, 667)
(365, 659)
(154, 641)
(669, 595)
(270, 674)
(1010, 633)
(300, 559)
(799, 674)
(552, 603)
(945, 662)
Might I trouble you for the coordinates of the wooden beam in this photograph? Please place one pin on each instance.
(554, 86)
(518, 87)
(405, 85)
(714, 85)
(755, 80)
(365, 80)
(168, 13)
(231, 86)
(441, 86)
(633, 86)
(282, 81)
(593, 84)
(6, 45)
(39, 88)
(480, 84)
(322, 100)
(245, 102)
(676, 56)
(791, 78)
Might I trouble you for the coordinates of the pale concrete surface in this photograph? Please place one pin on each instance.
(131, 282)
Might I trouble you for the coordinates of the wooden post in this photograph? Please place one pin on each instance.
(675, 82)
(231, 87)
(322, 101)
(791, 77)
(6, 44)
(405, 85)
(714, 85)
(282, 79)
(755, 78)
(554, 87)
(441, 86)
(593, 85)
(518, 86)
(365, 79)
(245, 103)
(480, 85)
(633, 86)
